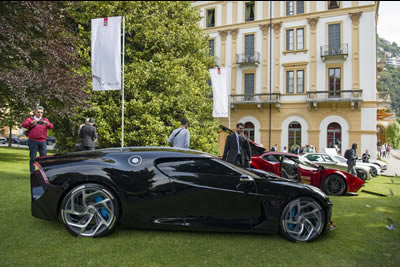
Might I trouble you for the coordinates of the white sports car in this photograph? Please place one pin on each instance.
(374, 169)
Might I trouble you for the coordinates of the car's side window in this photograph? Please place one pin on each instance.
(315, 158)
(194, 166)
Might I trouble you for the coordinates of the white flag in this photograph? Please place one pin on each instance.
(220, 93)
(106, 53)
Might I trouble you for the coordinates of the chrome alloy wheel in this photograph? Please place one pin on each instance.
(89, 210)
(302, 220)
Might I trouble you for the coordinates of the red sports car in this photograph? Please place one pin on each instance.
(291, 166)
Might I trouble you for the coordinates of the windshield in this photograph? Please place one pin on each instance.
(306, 162)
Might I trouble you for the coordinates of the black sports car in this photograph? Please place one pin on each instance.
(169, 188)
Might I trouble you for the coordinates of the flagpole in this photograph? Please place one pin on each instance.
(123, 79)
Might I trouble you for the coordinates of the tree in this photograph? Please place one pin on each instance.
(166, 74)
(37, 61)
(393, 134)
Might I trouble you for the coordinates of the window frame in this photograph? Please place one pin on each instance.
(244, 83)
(214, 40)
(295, 50)
(327, 5)
(295, 67)
(245, 8)
(334, 66)
(206, 16)
(294, 8)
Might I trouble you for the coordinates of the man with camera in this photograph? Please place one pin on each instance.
(37, 133)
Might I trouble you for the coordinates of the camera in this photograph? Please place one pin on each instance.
(40, 122)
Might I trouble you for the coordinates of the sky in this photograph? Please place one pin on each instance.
(389, 21)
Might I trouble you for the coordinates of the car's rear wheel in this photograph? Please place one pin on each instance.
(89, 210)
(334, 185)
(302, 220)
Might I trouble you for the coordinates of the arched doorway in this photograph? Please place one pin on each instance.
(249, 130)
(334, 136)
(294, 134)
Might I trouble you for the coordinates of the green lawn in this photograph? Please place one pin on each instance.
(359, 240)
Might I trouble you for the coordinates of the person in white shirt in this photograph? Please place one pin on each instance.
(180, 137)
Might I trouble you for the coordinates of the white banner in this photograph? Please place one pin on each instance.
(106, 53)
(220, 92)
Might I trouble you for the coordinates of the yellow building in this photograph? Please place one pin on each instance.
(298, 72)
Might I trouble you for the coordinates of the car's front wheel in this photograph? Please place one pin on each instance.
(363, 175)
(374, 171)
(302, 220)
(334, 185)
(89, 210)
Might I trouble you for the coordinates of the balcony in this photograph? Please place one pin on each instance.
(248, 59)
(258, 99)
(334, 52)
(354, 97)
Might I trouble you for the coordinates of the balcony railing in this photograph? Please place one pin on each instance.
(334, 51)
(244, 58)
(352, 96)
(259, 99)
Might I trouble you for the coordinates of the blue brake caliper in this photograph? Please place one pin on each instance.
(102, 210)
(291, 225)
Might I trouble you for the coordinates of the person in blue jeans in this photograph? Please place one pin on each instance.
(37, 127)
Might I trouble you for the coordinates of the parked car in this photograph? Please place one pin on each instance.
(327, 161)
(380, 163)
(50, 140)
(14, 139)
(175, 189)
(3, 140)
(374, 169)
(298, 168)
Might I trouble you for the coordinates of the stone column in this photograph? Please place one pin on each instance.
(234, 34)
(277, 56)
(224, 19)
(264, 56)
(313, 52)
(223, 46)
(355, 19)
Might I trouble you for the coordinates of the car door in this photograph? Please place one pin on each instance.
(211, 194)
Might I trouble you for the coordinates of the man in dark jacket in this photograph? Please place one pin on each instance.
(37, 133)
(351, 159)
(237, 148)
(88, 135)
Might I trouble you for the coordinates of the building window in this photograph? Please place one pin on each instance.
(250, 11)
(291, 6)
(289, 40)
(249, 86)
(210, 17)
(299, 7)
(334, 39)
(211, 45)
(295, 36)
(335, 136)
(294, 135)
(289, 82)
(334, 82)
(300, 81)
(249, 130)
(249, 47)
(333, 4)
(300, 39)
(295, 79)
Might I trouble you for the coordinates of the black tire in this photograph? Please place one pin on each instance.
(90, 210)
(374, 172)
(334, 185)
(363, 175)
(302, 220)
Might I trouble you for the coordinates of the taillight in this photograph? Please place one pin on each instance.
(42, 173)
